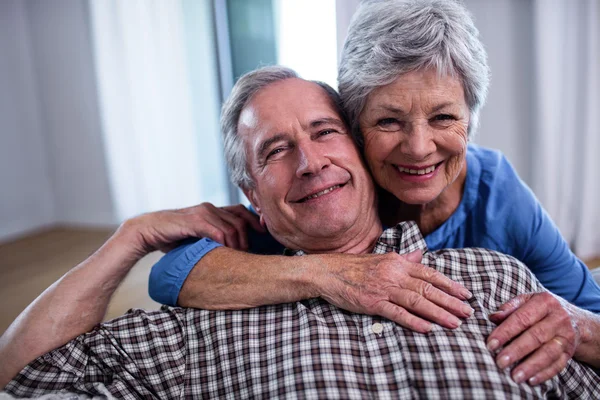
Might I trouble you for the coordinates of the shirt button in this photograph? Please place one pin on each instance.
(377, 328)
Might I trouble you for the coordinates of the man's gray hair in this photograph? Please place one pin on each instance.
(245, 88)
(392, 37)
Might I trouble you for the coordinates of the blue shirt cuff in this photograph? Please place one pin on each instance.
(169, 273)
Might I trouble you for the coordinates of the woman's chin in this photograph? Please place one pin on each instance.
(416, 197)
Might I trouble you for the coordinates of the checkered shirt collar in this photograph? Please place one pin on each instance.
(402, 238)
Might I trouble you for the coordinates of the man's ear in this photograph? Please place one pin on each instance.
(251, 195)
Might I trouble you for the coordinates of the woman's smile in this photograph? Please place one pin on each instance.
(417, 174)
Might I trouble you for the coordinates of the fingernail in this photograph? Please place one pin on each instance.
(493, 345)
(468, 310)
(504, 362)
(519, 377)
(533, 380)
(455, 322)
(466, 294)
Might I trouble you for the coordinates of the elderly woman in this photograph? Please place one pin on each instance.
(412, 79)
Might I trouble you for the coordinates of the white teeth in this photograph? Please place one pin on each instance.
(321, 193)
(417, 171)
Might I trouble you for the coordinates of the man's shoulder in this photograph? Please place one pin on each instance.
(492, 276)
(475, 258)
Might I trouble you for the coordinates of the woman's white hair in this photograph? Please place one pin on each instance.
(245, 88)
(389, 38)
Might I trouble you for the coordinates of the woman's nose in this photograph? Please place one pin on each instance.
(418, 142)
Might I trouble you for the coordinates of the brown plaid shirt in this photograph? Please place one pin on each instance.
(307, 349)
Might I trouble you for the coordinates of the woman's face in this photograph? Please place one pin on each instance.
(415, 134)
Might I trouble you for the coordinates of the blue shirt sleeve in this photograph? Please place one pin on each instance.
(169, 273)
(538, 243)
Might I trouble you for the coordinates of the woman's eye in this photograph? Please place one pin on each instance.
(387, 122)
(444, 117)
(326, 132)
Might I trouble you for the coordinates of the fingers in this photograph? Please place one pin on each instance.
(541, 335)
(235, 229)
(518, 321)
(543, 364)
(509, 307)
(393, 287)
(224, 227)
(440, 281)
(247, 215)
(430, 295)
(549, 372)
(527, 342)
(403, 318)
(422, 294)
(422, 306)
(215, 225)
(414, 256)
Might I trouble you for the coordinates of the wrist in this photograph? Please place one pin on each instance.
(589, 346)
(129, 237)
(125, 246)
(318, 273)
(312, 275)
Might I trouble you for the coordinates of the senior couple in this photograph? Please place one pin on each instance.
(417, 325)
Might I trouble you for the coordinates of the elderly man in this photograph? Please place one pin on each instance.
(311, 190)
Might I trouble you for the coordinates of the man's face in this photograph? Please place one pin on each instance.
(310, 181)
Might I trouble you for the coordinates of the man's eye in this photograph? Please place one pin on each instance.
(274, 152)
(326, 132)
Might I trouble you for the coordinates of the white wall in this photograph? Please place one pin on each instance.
(344, 10)
(26, 196)
(506, 119)
(64, 67)
(52, 168)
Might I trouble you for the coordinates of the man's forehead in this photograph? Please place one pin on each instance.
(282, 103)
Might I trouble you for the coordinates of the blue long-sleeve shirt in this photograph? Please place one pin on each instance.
(497, 211)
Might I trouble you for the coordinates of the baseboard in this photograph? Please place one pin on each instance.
(9, 234)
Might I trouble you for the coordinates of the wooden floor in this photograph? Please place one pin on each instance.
(30, 265)
(593, 263)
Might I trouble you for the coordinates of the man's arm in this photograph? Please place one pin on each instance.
(71, 306)
(78, 301)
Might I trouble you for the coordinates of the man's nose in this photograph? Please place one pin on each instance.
(417, 142)
(311, 159)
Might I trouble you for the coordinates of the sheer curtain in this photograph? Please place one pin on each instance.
(566, 138)
(160, 137)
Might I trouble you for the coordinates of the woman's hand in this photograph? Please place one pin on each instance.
(544, 332)
(163, 230)
(396, 287)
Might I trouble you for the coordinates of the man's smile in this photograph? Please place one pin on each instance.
(320, 193)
